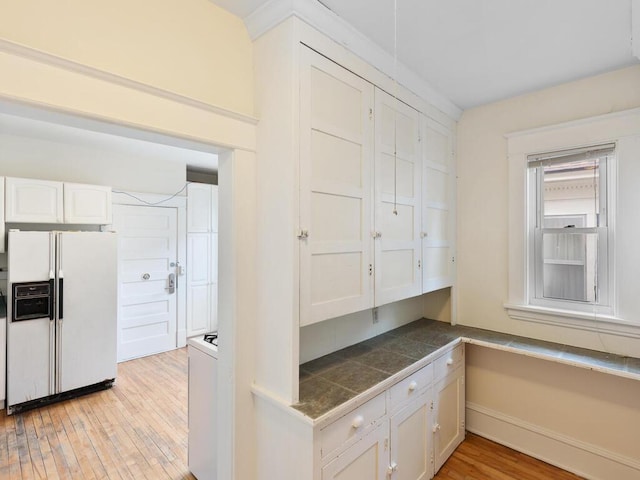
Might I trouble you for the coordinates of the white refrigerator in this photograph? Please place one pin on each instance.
(61, 317)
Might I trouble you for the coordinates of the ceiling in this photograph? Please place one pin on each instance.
(479, 51)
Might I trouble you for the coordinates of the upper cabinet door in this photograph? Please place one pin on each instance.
(336, 159)
(199, 208)
(438, 219)
(33, 201)
(87, 204)
(398, 166)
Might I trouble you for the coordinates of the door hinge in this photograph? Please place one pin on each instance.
(419, 264)
(371, 114)
(453, 259)
(370, 269)
(431, 405)
(386, 444)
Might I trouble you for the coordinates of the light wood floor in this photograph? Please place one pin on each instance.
(480, 459)
(135, 430)
(138, 430)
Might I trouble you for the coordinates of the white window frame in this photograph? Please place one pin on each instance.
(606, 235)
(620, 128)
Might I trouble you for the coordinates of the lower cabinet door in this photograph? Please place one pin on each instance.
(367, 459)
(448, 427)
(410, 438)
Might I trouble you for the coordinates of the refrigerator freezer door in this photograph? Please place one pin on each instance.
(87, 332)
(30, 343)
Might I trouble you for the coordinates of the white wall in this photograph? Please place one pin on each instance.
(483, 198)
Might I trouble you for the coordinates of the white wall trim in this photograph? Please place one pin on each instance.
(524, 436)
(327, 22)
(605, 324)
(72, 66)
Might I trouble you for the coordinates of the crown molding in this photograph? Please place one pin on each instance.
(315, 14)
(39, 56)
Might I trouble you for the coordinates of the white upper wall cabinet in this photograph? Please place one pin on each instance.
(42, 201)
(202, 208)
(438, 212)
(87, 204)
(336, 152)
(33, 201)
(398, 164)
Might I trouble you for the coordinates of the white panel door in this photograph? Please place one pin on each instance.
(87, 204)
(410, 437)
(438, 207)
(397, 200)
(33, 201)
(367, 459)
(87, 323)
(449, 429)
(336, 157)
(147, 253)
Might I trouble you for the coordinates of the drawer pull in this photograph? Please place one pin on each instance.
(449, 361)
(413, 385)
(357, 422)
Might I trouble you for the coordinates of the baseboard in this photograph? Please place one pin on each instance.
(584, 459)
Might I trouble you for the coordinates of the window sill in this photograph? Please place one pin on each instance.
(579, 320)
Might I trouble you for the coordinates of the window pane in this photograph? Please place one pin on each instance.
(571, 194)
(569, 262)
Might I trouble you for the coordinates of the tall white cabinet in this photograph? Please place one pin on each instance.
(202, 258)
(355, 210)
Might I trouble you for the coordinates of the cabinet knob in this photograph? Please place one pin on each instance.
(376, 234)
(357, 422)
(303, 234)
(392, 468)
(436, 428)
(424, 234)
(413, 385)
(146, 276)
(449, 361)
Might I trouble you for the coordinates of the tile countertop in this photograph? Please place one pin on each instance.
(330, 381)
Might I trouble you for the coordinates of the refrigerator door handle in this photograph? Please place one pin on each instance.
(60, 298)
(51, 299)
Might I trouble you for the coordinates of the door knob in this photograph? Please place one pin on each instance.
(146, 276)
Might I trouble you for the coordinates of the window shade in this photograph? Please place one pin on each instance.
(576, 154)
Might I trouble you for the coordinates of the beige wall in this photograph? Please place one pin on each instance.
(483, 196)
(188, 47)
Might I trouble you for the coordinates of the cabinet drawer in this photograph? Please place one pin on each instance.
(448, 362)
(411, 386)
(352, 425)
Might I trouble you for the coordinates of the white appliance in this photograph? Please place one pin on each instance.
(61, 317)
(203, 379)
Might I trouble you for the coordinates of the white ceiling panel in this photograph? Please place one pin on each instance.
(479, 51)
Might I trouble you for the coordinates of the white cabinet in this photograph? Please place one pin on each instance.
(87, 204)
(366, 459)
(202, 258)
(398, 164)
(336, 151)
(3, 360)
(43, 201)
(33, 201)
(410, 435)
(438, 212)
(3, 240)
(449, 405)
